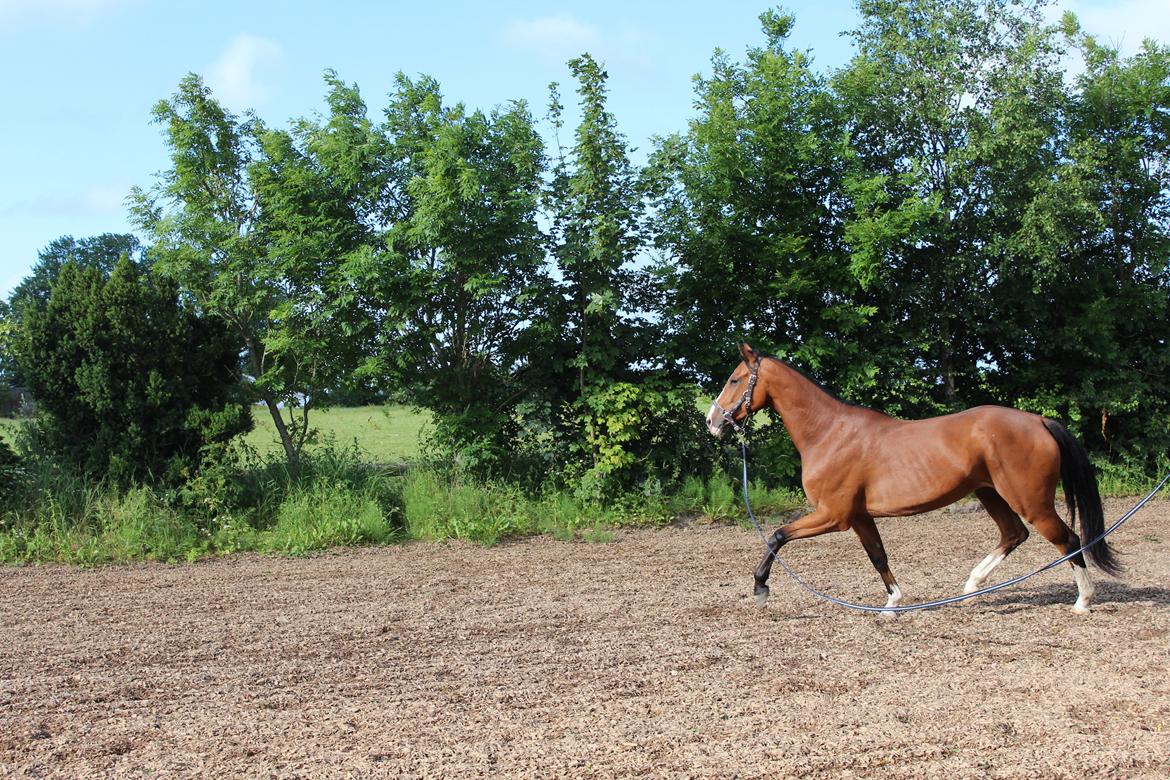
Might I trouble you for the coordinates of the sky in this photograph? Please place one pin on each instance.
(79, 77)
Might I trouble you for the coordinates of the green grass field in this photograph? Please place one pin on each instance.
(387, 434)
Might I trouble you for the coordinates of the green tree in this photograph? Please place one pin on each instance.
(921, 95)
(130, 384)
(748, 206)
(7, 365)
(101, 253)
(1090, 287)
(98, 252)
(596, 210)
(447, 271)
(623, 420)
(249, 228)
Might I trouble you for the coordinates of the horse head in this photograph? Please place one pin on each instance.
(737, 401)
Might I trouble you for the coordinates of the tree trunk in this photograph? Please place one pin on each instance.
(290, 451)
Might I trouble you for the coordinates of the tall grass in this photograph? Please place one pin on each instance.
(1129, 479)
(329, 515)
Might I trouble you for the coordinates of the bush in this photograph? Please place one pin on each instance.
(237, 502)
(12, 476)
(642, 437)
(131, 384)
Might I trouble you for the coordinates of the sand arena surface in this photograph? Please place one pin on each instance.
(644, 657)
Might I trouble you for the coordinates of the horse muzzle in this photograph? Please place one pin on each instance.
(715, 421)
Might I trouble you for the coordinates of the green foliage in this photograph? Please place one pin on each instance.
(111, 400)
(941, 223)
(596, 211)
(100, 253)
(749, 204)
(1091, 265)
(239, 502)
(644, 436)
(257, 234)
(12, 476)
(329, 515)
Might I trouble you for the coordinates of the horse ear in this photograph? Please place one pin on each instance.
(748, 354)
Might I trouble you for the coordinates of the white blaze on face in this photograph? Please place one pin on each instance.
(715, 421)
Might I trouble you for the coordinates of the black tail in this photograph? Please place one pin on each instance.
(1080, 493)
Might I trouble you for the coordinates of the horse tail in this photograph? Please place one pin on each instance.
(1080, 493)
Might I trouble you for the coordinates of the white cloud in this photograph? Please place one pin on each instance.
(557, 39)
(237, 77)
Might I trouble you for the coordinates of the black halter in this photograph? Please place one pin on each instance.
(745, 400)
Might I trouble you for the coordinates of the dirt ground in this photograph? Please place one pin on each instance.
(642, 657)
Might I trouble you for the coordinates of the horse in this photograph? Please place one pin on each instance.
(858, 464)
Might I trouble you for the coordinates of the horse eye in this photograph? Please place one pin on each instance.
(735, 381)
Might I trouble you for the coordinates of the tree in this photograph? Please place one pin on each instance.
(919, 93)
(130, 384)
(596, 208)
(623, 418)
(236, 224)
(100, 253)
(1090, 287)
(460, 278)
(7, 366)
(749, 206)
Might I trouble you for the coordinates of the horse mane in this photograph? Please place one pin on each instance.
(819, 385)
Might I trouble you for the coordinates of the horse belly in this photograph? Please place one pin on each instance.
(912, 482)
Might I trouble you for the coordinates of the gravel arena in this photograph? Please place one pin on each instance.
(640, 657)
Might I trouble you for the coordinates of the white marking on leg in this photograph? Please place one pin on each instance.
(894, 600)
(981, 572)
(1085, 589)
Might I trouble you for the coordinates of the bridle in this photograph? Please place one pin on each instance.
(745, 400)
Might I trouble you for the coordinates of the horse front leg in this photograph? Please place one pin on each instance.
(871, 540)
(814, 524)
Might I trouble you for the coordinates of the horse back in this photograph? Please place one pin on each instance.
(894, 467)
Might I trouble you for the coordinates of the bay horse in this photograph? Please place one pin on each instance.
(859, 464)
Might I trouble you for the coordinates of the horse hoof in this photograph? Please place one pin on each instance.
(1080, 609)
(761, 593)
(888, 614)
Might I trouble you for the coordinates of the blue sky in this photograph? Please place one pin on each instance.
(80, 76)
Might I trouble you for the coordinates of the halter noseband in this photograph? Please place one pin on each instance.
(745, 400)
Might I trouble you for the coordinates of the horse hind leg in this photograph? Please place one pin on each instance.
(867, 532)
(1049, 524)
(1012, 533)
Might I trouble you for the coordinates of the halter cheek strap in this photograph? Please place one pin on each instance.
(745, 400)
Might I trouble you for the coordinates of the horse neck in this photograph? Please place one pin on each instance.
(806, 409)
